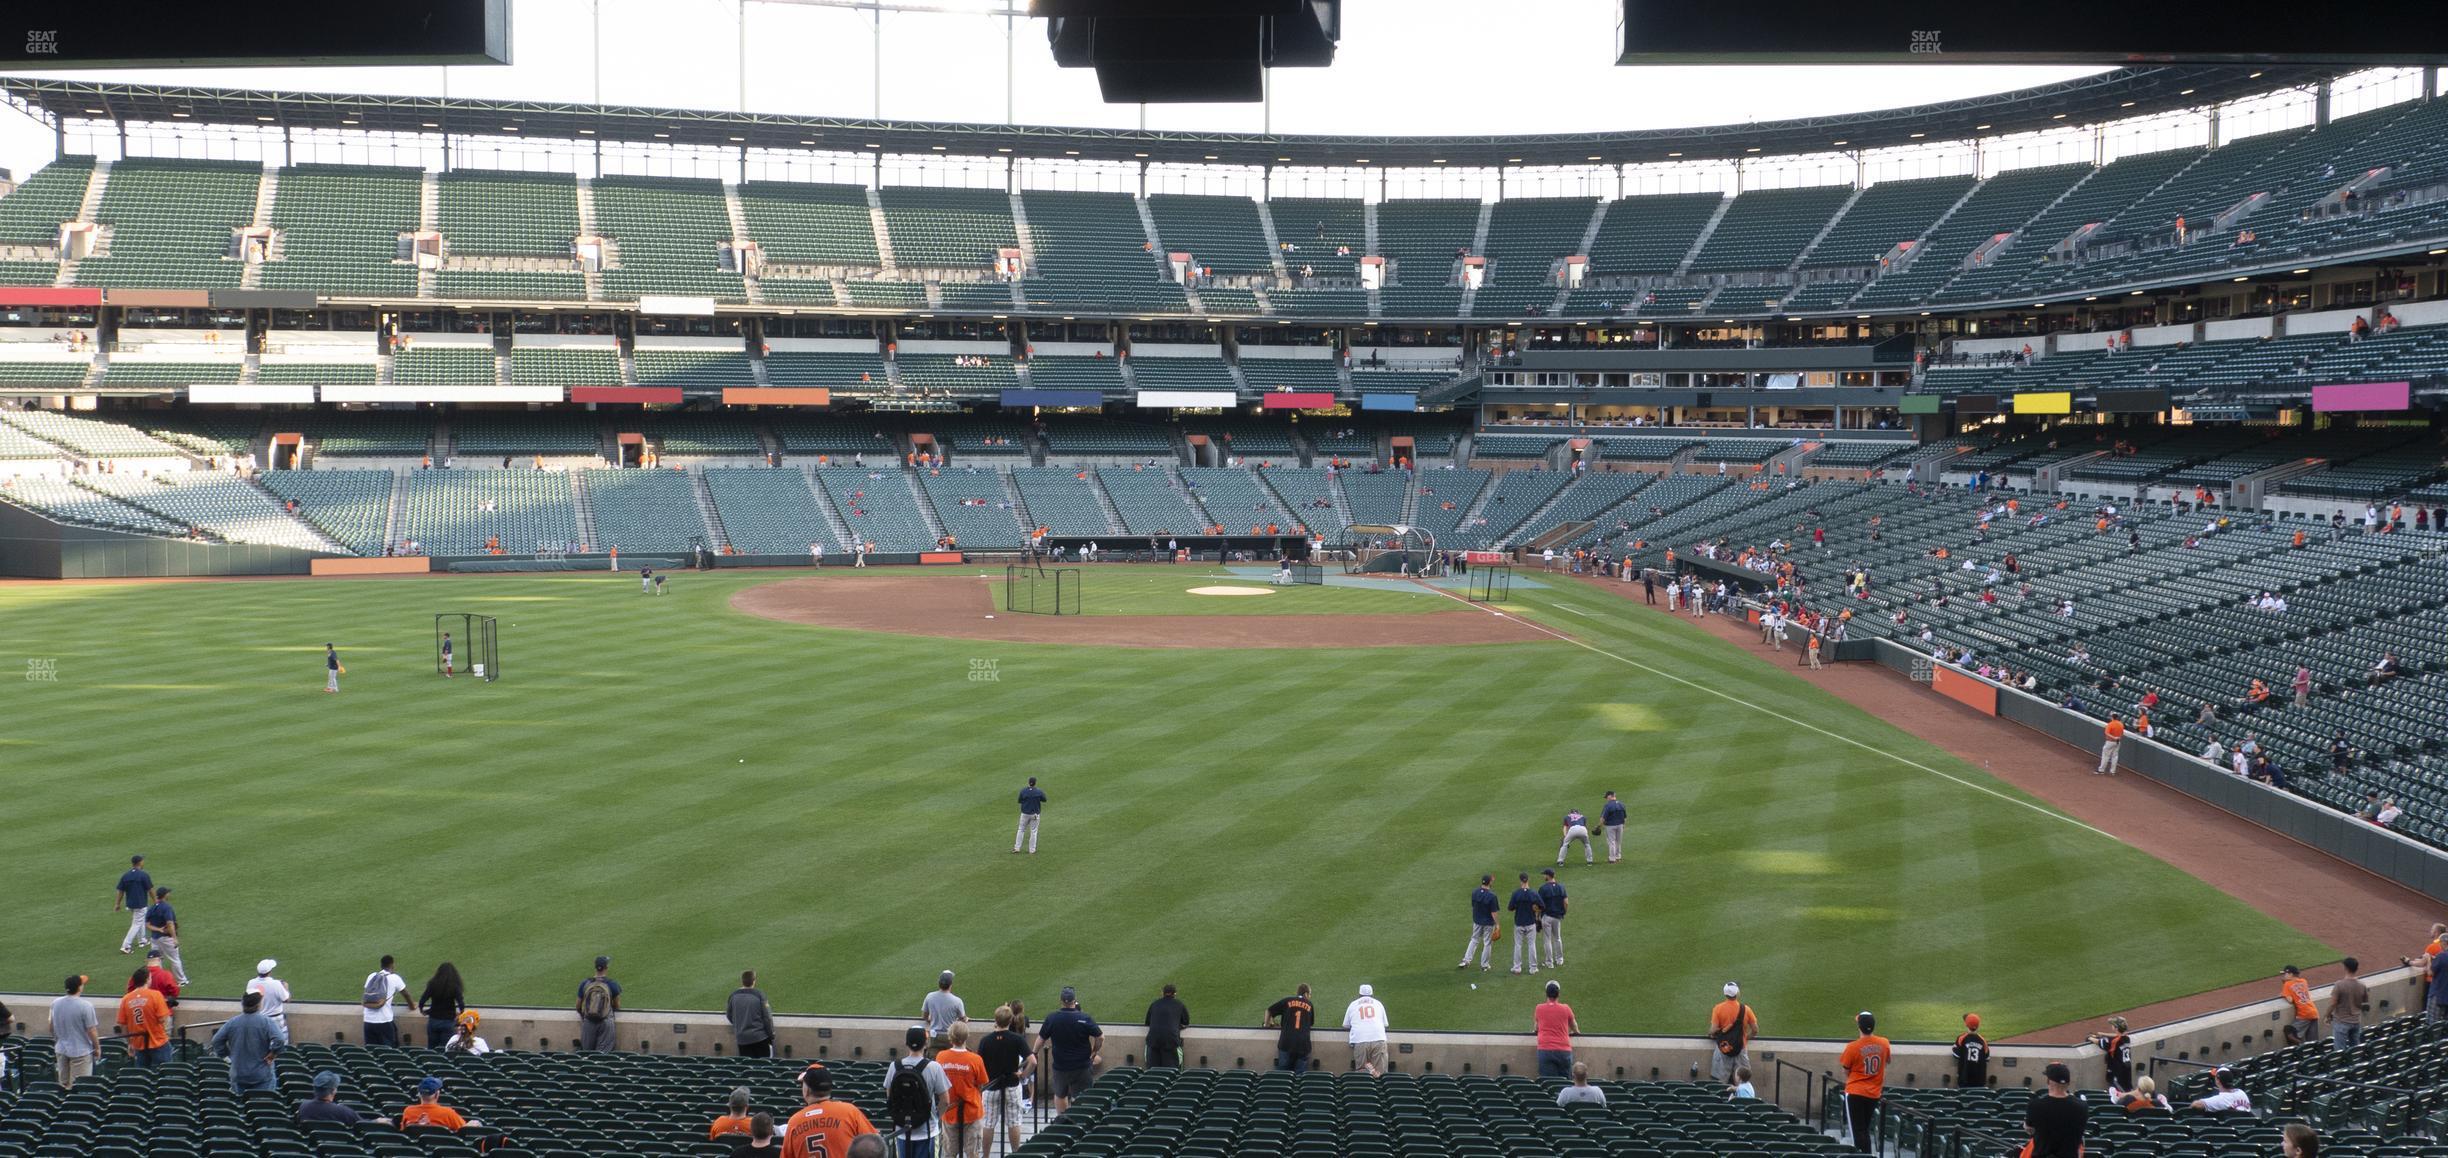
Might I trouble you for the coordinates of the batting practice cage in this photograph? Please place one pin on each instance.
(1308, 574)
(1029, 589)
(1392, 549)
(1491, 583)
(475, 645)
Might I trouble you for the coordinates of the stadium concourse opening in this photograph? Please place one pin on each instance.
(963, 607)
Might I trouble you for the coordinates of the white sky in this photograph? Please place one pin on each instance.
(1404, 67)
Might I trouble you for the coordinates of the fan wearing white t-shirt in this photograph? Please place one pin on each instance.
(384, 991)
(1365, 1017)
(275, 993)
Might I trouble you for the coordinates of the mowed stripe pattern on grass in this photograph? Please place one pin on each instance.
(1235, 822)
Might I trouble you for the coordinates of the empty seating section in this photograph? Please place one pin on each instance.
(1513, 446)
(799, 223)
(972, 375)
(1312, 375)
(1424, 238)
(2001, 205)
(1149, 501)
(65, 501)
(1445, 499)
(1643, 449)
(646, 510)
(990, 297)
(32, 213)
(423, 365)
(1091, 248)
(973, 435)
(1219, 233)
(1074, 436)
(784, 290)
(2371, 478)
(454, 512)
(222, 506)
(506, 214)
(42, 371)
(1376, 497)
(696, 434)
(1420, 301)
(205, 430)
(877, 506)
(1068, 372)
(304, 368)
(1515, 496)
(1246, 438)
(1316, 227)
(1154, 372)
(667, 234)
(1236, 501)
(1306, 495)
(2096, 198)
(89, 437)
(973, 508)
(1821, 295)
(1673, 301)
(1382, 381)
(162, 372)
(935, 228)
(768, 512)
(696, 367)
(885, 295)
(170, 223)
(836, 437)
(530, 1102)
(835, 369)
(1333, 303)
(1061, 502)
(483, 433)
(1739, 450)
(361, 434)
(1886, 214)
(1227, 301)
(565, 365)
(338, 230)
(1765, 229)
(1862, 455)
(1526, 237)
(351, 506)
(1650, 235)
(1588, 498)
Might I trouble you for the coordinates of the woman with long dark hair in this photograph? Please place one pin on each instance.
(444, 999)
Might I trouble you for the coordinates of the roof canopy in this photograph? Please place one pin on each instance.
(2112, 95)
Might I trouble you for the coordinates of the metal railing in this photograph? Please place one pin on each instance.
(1777, 1085)
(2408, 1102)
(1928, 1135)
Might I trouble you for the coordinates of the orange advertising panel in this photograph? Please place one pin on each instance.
(1979, 694)
(408, 565)
(777, 396)
(931, 557)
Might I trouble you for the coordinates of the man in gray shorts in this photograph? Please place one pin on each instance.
(942, 1010)
(1072, 1039)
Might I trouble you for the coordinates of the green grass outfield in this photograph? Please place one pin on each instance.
(696, 791)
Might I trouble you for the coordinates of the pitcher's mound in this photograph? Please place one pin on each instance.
(1230, 591)
(964, 608)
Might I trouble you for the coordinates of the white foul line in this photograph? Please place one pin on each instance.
(1730, 698)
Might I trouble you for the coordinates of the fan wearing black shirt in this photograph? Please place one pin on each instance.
(1971, 1056)
(2055, 1119)
(1167, 1017)
(1297, 1015)
(1010, 1068)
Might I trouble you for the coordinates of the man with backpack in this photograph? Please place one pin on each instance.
(915, 1090)
(599, 1009)
(1732, 1025)
(384, 991)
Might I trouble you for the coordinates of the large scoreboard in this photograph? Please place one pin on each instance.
(2097, 32)
(254, 34)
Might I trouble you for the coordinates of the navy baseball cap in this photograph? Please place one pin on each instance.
(430, 1085)
(1070, 994)
(603, 962)
(327, 1081)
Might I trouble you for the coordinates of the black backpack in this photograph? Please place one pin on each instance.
(907, 1101)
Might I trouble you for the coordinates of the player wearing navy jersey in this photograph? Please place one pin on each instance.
(1482, 943)
(1612, 818)
(1576, 827)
